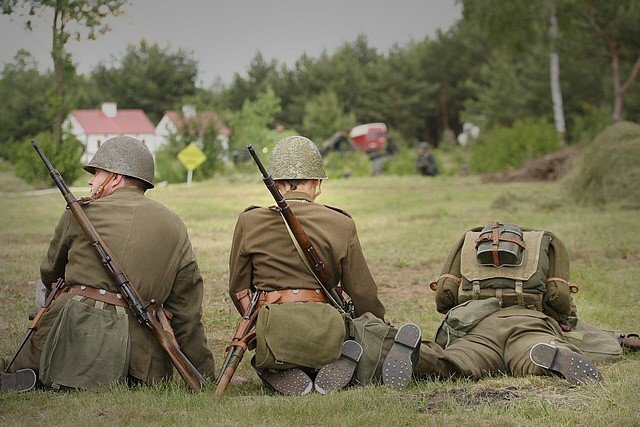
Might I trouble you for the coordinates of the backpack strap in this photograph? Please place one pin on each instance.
(434, 283)
(306, 262)
(520, 293)
(476, 289)
(573, 287)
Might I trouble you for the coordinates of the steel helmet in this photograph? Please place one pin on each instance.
(296, 157)
(124, 155)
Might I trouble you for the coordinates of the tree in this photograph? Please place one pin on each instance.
(23, 111)
(556, 90)
(447, 64)
(510, 89)
(260, 74)
(616, 24)
(324, 115)
(71, 19)
(352, 73)
(65, 157)
(148, 77)
(407, 91)
(251, 125)
(519, 26)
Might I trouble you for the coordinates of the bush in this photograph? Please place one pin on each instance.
(65, 157)
(346, 164)
(589, 124)
(608, 170)
(169, 168)
(402, 163)
(503, 149)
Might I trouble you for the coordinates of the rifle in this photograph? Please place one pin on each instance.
(320, 270)
(56, 290)
(245, 334)
(630, 342)
(146, 314)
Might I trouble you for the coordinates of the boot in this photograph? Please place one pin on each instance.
(290, 382)
(572, 366)
(339, 373)
(21, 380)
(397, 369)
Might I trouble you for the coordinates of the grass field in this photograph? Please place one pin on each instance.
(407, 226)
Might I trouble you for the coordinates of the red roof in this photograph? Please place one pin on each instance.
(125, 121)
(202, 118)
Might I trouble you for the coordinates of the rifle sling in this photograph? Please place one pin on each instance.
(306, 262)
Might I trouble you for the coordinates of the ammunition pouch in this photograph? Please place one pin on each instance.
(298, 334)
(462, 318)
(87, 347)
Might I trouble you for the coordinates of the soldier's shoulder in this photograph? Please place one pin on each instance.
(342, 211)
(250, 208)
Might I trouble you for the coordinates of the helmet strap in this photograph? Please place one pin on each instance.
(318, 189)
(100, 189)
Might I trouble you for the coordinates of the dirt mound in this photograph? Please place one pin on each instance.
(549, 167)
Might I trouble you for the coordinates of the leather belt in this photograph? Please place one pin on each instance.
(98, 295)
(295, 295)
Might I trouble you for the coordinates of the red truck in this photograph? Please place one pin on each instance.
(369, 137)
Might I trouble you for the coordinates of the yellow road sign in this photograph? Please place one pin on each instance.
(191, 156)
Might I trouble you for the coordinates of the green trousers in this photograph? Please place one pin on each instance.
(500, 343)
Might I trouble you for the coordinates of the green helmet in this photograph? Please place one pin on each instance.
(124, 155)
(296, 157)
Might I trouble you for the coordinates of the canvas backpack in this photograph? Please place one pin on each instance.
(536, 277)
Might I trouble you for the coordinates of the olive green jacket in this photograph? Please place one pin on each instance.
(151, 243)
(263, 254)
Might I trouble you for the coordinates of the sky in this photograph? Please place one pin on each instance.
(224, 36)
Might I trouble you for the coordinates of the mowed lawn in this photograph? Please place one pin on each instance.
(407, 226)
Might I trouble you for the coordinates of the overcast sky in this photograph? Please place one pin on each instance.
(223, 36)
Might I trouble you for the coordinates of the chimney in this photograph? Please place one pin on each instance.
(110, 109)
(189, 111)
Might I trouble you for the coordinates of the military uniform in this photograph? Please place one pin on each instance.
(500, 343)
(496, 329)
(151, 243)
(300, 335)
(263, 254)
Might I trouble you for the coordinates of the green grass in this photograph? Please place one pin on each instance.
(407, 226)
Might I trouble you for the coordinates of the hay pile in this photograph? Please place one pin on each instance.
(608, 171)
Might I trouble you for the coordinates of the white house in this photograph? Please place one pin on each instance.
(172, 121)
(93, 127)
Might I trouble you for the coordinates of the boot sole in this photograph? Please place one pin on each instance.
(573, 367)
(397, 369)
(339, 373)
(290, 382)
(20, 381)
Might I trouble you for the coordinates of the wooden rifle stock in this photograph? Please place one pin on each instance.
(56, 290)
(320, 270)
(145, 314)
(245, 332)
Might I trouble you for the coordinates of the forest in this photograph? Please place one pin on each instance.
(548, 73)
